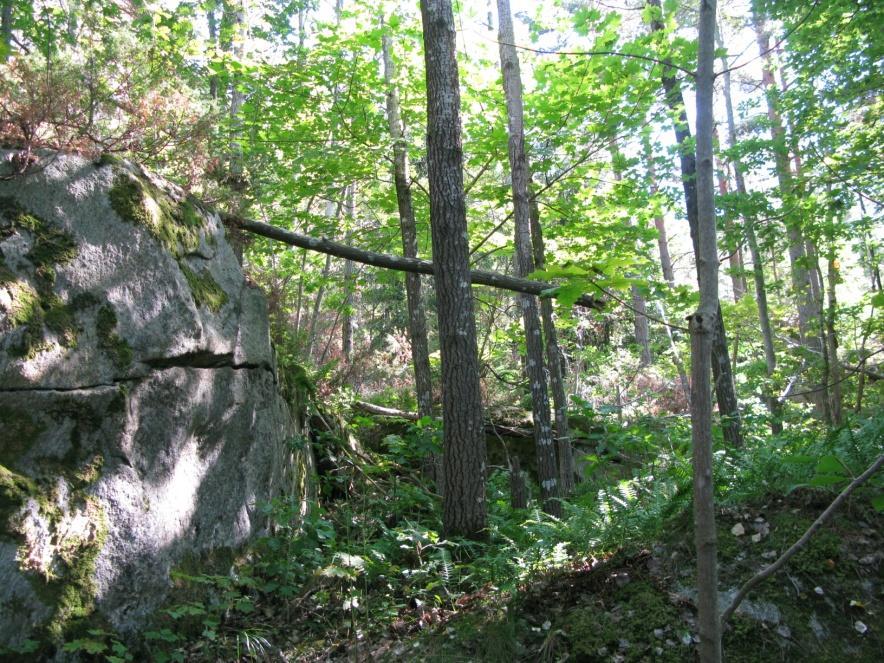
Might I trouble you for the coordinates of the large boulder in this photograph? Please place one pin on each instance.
(141, 426)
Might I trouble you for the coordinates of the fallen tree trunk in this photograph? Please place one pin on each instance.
(490, 426)
(398, 263)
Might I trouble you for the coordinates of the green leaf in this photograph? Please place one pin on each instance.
(878, 502)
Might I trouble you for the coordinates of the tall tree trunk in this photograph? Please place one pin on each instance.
(639, 312)
(770, 359)
(702, 333)
(835, 397)
(6, 27)
(801, 274)
(725, 391)
(347, 316)
(417, 319)
(547, 463)
(659, 222)
(733, 248)
(555, 365)
(237, 97)
(213, 40)
(463, 507)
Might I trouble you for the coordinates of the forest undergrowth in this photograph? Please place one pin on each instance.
(366, 574)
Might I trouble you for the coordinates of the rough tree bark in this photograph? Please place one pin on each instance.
(555, 364)
(547, 464)
(463, 464)
(725, 391)
(702, 333)
(770, 359)
(417, 320)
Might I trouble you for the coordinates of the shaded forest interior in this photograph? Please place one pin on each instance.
(577, 306)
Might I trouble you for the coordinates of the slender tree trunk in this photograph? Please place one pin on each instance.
(347, 316)
(676, 355)
(770, 359)
(213, 40)
(702, 333)
(237, 97)
(640, 317)
(547, 463)
(733, 248)
(659, 222)
(417, 320)
(463, 508)
(6, 25)
(801, 274)
(835, 397)
(725, 391)
(555, 365)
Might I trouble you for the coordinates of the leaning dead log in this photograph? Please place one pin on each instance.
(398, 263)
(490, 426)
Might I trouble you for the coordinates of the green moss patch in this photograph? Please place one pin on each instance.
(51, 246)
(18, 432)
(177, 226)
(15, 489)
(116, 347)
(206, 291)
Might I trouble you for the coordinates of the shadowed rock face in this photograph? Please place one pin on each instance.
(140, 422)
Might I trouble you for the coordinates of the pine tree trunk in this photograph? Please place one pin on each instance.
(702, 333)
(417, 320)
(463, 508)
(725, 391)
(547, 463)
(770, 358)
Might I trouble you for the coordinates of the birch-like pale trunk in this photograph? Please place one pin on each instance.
(547, 462)
(702, 325)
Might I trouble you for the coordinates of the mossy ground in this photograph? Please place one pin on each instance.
(631, 608)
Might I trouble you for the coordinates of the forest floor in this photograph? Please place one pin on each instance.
(635, 601)
(825, 606)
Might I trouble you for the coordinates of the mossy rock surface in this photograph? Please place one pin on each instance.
(141, 427)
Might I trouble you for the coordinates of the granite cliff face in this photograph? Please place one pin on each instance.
(141, 427)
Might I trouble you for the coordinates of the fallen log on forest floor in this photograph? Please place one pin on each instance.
(398, 263)
(490, 427)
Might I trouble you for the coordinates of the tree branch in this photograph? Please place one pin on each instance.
(398, 263)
